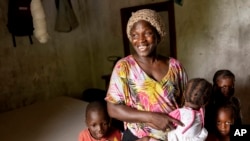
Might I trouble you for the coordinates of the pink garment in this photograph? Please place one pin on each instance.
(193, 129)
(131, 86)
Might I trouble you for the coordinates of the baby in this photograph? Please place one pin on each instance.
(98, 124)
(196, 94)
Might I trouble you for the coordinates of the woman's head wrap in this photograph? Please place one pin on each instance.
(150, 16)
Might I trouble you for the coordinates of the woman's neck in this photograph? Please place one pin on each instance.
(147, 59)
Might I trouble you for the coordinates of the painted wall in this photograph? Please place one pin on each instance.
(40, 71)
(214, 35)
(210, 35)
(69, 63)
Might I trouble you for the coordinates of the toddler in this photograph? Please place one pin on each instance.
(98, 124)
(196, 94)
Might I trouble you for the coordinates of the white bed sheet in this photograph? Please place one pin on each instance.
(59, 119)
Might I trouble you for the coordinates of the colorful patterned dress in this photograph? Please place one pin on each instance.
(131, 86)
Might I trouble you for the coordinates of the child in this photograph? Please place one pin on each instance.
(196, 95)
(223, 87)
(223, 91)
(98, 124)
(225, 116)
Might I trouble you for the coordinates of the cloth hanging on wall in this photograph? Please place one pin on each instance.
(65, 19)
(20, 19)
(39, 22)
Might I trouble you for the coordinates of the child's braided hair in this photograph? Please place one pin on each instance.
(198, 91)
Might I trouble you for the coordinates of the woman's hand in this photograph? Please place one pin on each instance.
(159, 121)
(162, 121)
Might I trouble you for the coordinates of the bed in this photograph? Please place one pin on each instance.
(58, 119)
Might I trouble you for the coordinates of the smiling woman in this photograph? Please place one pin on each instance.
(145, 86)
(166, 10)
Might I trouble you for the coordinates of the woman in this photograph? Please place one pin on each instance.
(145, 86)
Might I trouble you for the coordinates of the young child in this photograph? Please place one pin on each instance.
(196, 94)
(223, 91)
(225, 116)
(98, 124)
(223, 87)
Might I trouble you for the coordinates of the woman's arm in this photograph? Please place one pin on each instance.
(155, 120)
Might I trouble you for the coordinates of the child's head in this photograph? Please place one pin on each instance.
(97, 119)
(223, 83)
(225, 116)
(197, 92)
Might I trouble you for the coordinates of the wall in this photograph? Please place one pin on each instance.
(69, 62)
(29, 73)
(210, 35)
(214, 35)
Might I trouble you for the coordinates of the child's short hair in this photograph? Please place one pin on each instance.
(97, 106)
(223, 74)
(228, 105)
(198, 91)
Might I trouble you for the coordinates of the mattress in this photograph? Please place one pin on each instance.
(58, 119)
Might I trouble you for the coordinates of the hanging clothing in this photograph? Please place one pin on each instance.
(39, 21)
(65, 19)
(19, 19)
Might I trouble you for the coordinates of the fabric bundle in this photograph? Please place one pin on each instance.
(39, 22)
(66, 19)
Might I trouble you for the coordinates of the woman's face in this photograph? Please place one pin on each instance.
(97, 123)
(223, 121)
(226, 86)
(144, 38)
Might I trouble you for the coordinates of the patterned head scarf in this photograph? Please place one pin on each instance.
(150, 16)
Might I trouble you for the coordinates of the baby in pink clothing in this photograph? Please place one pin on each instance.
(197, 93)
